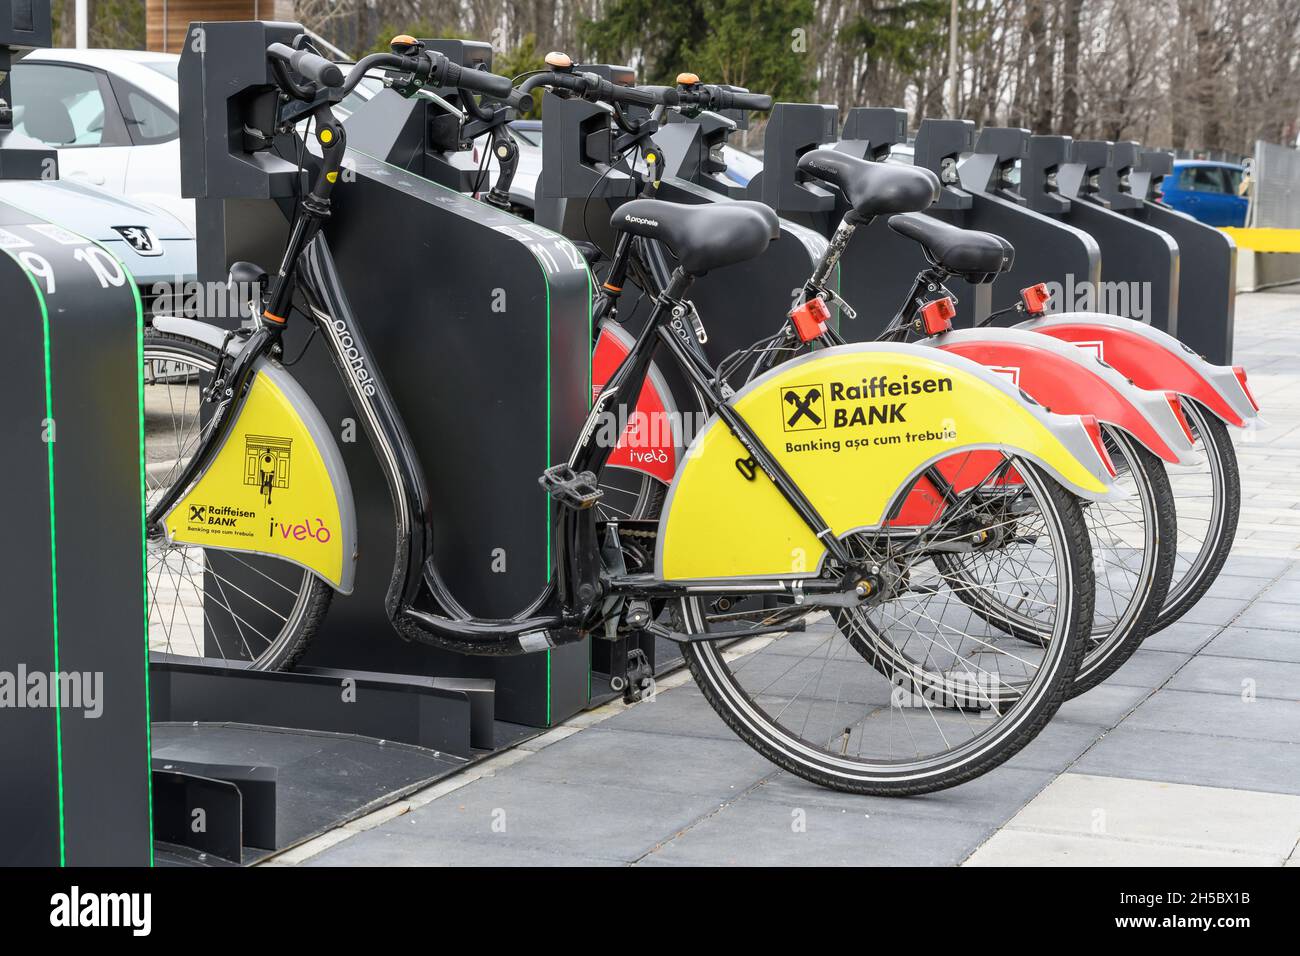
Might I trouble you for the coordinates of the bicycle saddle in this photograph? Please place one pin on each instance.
(701, 237)
(975, 256)
(872, 189)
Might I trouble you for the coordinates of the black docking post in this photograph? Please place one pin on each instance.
(478, 321)
(1025, 212)
(74, 712)
(879, 265)
(1207, 257)
(1140, 265)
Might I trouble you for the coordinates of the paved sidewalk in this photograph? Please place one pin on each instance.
(1190, 754)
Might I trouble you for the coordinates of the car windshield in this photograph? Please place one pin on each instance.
(531, 136)
(1234, 180)
(60, 106)
(168, 68)
(367, 89)
(1201, 179)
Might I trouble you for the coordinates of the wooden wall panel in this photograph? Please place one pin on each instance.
(167, 20)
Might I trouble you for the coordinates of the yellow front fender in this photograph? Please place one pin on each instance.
(853, 426)
(276, 487)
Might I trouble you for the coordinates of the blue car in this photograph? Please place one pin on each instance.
(1207, 191)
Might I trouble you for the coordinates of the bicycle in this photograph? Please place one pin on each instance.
(940, 717)
(1133, 539)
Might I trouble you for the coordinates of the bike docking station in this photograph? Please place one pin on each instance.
(1140, 265)
(420, 136)
(879, 265)
(1047, 249)
(74, 706)
(1074, 207)
(792, 130)
(1207, 257)
(740, 300)
(465, 302)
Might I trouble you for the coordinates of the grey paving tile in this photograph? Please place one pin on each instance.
(1143, 754)
(760, 833)
(1220, 715)
(384, 847)
(1235, 586)
(682, 710)
(720, 769)
(1184, 637)
(1148, 668)
(993, 798)
(1255, 567)
(1285, 591)
(1210, 610)
(1256, 643)
(583, 819)
(1106, 704)
(1026, 848)
(1057, 746)
(1160, 812)
(1272, 615)
(1229, 675)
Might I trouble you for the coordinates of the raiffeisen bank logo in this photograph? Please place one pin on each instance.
(75, 909)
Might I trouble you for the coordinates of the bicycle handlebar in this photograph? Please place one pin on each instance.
(713, 97)
(592, 87)
(427, 65)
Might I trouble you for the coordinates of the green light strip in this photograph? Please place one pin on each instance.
(591, 290)
(144, 558)
(547, 282)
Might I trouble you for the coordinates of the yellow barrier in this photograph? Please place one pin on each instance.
(1265, 240)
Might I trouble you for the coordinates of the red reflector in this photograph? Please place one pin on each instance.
(810, 319)
(937, 316)
(1240, 372)
(1093, 428)
(1176, 404)
(1035, 298)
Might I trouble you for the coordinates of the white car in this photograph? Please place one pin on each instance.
(113, 117)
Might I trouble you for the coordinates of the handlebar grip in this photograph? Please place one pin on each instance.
(316, 68)
(735, 100)
(478, 81)
(627, 94)
(520, 101)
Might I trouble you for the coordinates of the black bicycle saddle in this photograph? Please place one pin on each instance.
(701, 237)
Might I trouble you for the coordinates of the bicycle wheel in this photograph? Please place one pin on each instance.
(1208, 502)
(1133, 561)
(914, 692)
(207, 602)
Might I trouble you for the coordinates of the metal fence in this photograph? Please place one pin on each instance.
(1216, 155)
(1275, 190)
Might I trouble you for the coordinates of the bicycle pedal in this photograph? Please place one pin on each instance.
(578, 490)
(640, 676)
